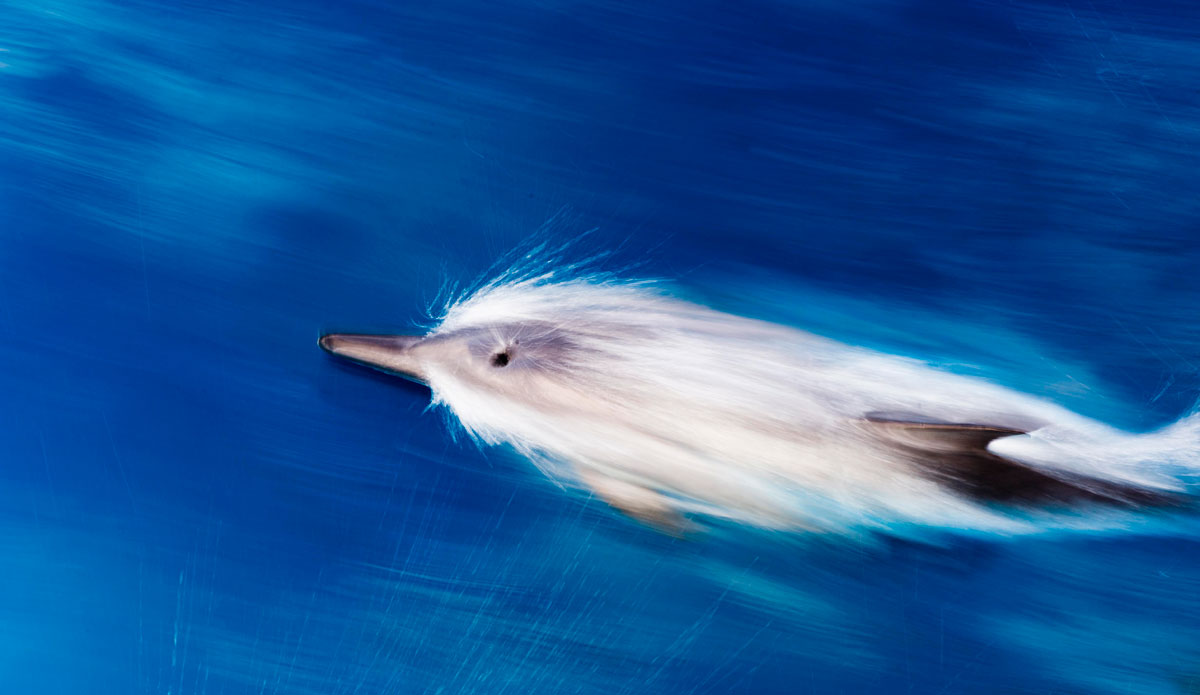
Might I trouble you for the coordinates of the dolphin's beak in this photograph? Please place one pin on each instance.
(389, 353)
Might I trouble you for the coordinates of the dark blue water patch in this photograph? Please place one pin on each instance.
(100, 106)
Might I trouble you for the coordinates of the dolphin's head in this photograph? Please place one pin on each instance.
(496, 358)
(510, 362)
(508, 336)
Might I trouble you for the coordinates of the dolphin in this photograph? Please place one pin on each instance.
(671, 411)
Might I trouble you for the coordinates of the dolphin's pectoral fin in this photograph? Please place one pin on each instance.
(956, 455)
(638, 502)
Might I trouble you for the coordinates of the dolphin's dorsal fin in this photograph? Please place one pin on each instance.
(956, 455)
(637, 501)
(947, 436)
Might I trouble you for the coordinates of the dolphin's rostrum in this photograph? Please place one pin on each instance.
(388, 353)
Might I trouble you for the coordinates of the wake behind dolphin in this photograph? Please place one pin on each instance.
(671, 411)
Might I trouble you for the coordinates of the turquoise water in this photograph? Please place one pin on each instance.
(194, 499)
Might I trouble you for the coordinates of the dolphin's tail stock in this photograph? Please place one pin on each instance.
(1165, 461)
(959, 456)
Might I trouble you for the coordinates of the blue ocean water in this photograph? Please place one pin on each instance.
(194, 499)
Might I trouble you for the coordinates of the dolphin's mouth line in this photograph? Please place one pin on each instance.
(383, 370)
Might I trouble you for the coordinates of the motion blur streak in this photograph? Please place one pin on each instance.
(195, 500)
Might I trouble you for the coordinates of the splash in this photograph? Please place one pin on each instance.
(650, 400)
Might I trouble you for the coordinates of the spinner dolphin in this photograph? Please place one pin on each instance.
(671, 412)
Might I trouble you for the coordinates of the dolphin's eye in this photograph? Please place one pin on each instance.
(500, 359)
